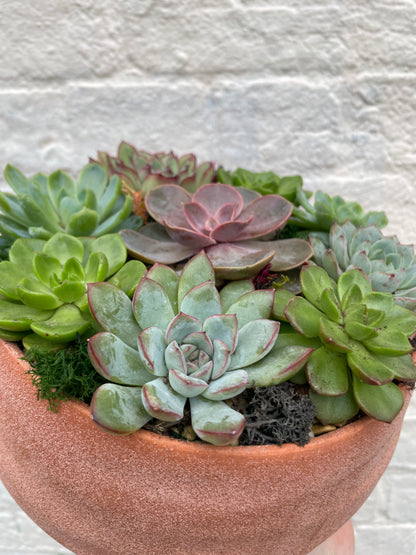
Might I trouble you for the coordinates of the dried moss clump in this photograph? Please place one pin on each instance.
(276, 415)
(63, 375)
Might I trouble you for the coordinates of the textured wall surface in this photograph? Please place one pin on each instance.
(321, 88)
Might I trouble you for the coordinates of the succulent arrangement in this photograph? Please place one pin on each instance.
(205, 313)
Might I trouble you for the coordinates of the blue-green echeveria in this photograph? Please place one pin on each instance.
(390, 266)
(43, 205)
(181, 340)
(43, 286)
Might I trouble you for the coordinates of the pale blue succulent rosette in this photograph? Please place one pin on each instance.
(390, 266)
(180, 340)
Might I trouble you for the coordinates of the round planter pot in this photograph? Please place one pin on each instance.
(100, 494)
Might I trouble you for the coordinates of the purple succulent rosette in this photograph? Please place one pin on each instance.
(182, 342)
(231, 224)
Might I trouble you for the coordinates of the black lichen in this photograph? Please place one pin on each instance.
(63, 375)
(276, 415)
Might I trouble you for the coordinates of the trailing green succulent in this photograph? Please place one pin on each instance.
(265, 183)
(42, 206)
(390, 266)
(43, 286)
(328, 210)
(360, 340)
(142, 171)
(182, 341)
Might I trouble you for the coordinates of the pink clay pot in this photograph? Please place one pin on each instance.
(99, 494)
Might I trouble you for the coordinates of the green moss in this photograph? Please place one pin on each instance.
(63, 375)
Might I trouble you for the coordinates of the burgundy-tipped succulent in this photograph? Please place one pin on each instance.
(235, 226)
(143, 171)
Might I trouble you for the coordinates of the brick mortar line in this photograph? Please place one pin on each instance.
(226, 79)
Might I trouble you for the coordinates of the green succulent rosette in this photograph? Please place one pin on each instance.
(328, 210)
(265, 183)
(93, 205)
(43, 286)
(182, 342)
(360, 340)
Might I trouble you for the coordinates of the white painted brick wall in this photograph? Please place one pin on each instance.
(324, 88)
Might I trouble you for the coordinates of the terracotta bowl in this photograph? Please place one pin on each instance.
(99, 494)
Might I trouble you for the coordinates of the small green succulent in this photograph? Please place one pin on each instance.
(360, 340)
(390, 266)
(42, 206)
(265, 183)
(43, 286)
(182, 341)
(328, 210)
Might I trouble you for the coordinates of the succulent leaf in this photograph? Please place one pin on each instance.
(169, 281)
(18, 318)
(328, 210)
(334, 410)
(281, 364)
(220, 359)
(216, 422)
(152, 346)
(118, 409)
(223, 327)
(37, 295)
(196, 271)
(228, 385)
(160, 401)
(368, 368)
(254, 342)
(148, 295)
(303, 316)
(389, 342)
(233, 290)
(202, 301)
(382, 402)
(188, 386)
(253, 306)
(116, 361)
(181, 326)
(63, 326)
(113, 311)
(334, 337)
(322, 381)
(403, 367)
(153, 245)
